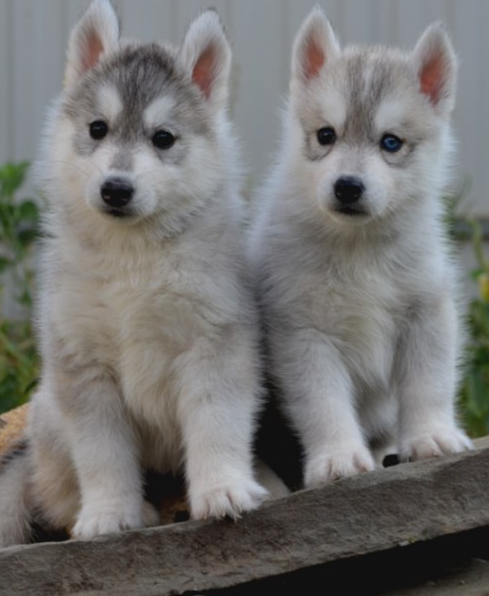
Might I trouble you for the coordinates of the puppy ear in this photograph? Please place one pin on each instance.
(436, 67)
(315, 46)
(206, 56)
(96, 33)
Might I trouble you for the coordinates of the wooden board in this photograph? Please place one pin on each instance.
(394, 507)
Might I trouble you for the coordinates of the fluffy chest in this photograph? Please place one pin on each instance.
(359, 306)
(102, 307)
(362, 318)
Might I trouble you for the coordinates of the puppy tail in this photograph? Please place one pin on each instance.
(15, 514)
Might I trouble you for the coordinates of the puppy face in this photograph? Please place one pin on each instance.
(140, 136)
(137, 135)
(366, 122)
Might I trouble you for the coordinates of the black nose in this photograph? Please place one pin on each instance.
(116, 192)
(348, 189)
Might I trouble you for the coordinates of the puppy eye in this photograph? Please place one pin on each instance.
(98, 129)
(391, 143)
(162, 139)
(326, 135)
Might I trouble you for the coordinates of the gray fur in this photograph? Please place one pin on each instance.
(366, 79)
(147, 325)
(140, 74)
(359, 306)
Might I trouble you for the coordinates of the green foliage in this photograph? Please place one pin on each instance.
(474, 397)
(18, 228)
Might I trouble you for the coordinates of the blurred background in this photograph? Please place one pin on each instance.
(33, 39)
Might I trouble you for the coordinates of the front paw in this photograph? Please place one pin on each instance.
(337, 464)
(433, 443)
(229, 499)
(94, 521)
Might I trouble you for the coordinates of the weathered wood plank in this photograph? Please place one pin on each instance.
(377, 511)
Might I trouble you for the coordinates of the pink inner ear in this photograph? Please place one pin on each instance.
(92, 49)
(432, 78)
(203, 73)
(313, 59)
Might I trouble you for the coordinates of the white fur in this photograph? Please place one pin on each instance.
(157, 113)
(110, 103)
(361, 327)
(148, 329)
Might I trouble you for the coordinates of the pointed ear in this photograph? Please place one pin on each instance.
(436, 67)
(97, 32)
(206, 56)
(315, 46)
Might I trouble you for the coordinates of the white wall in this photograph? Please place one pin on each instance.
(33, 36)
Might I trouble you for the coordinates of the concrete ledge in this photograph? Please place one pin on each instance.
(386, 509)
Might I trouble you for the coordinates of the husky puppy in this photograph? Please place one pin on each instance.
(147, 328)
(353, 270)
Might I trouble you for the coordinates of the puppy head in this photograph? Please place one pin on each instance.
(138, 134)
(368, 126)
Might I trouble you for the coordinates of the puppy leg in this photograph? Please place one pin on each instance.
(105, 456)
(426, 377)
(319, 399)
(217, 407)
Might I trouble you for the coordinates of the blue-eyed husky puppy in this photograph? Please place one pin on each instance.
(353, 270)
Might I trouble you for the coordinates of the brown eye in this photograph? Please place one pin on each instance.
(162, 139)
(326, 135)
(98, 129)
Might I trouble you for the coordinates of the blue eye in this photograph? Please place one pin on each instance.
(326, 135)
(391, 143)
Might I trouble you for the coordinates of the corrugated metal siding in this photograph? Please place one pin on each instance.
(33, 36)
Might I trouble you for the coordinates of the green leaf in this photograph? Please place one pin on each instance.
(12, 176)
(4, 264)
(29, 211)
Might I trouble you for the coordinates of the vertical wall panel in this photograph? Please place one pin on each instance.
(149, 20)
(259, 47)
(22, 88)
(359, 25)
(472, 112)
(385, 23)
(6, 67)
